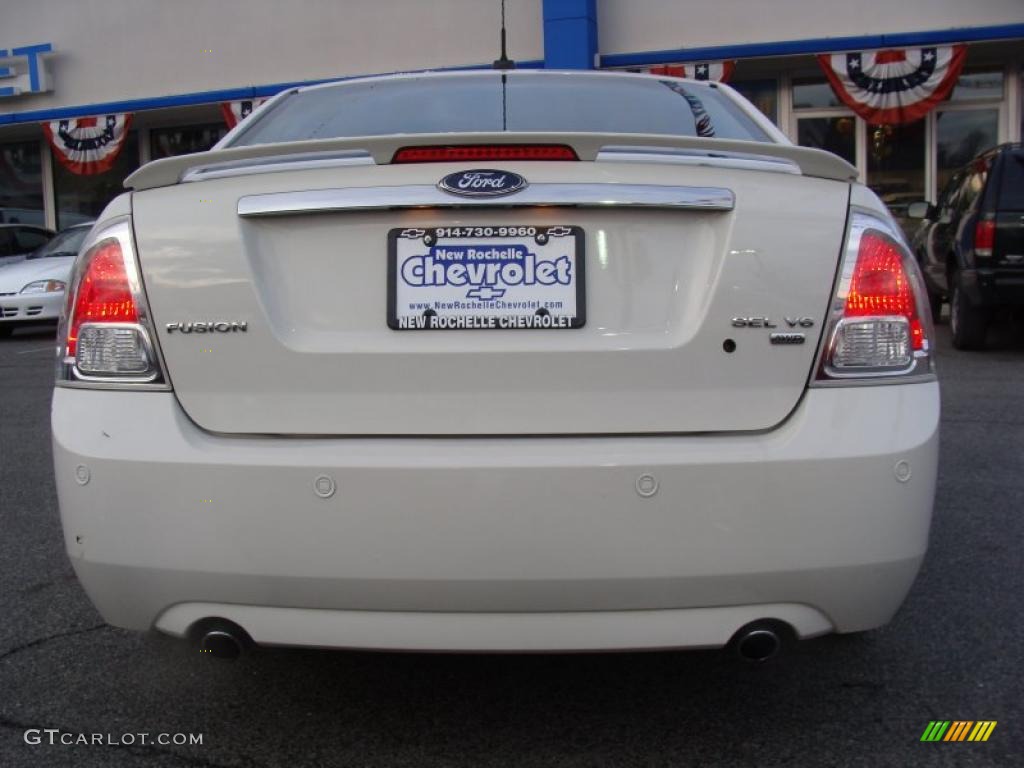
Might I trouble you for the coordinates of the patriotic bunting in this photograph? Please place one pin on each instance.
(236, 111)
(897, 85)
(88, 145)
(716, 71)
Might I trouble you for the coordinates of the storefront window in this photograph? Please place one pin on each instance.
(975, 86)
(82, 198)
(21, 183)
(896, 155)
(165, 142)
(835, 134)
(960, 135)
(763, 94)
(813, 93)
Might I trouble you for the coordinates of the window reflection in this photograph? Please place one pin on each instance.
(972, 86)
(961, 135)
(835, 134)
(21, 183)
(896, 166)
(813, 93)
(167, 142)
(763, 94)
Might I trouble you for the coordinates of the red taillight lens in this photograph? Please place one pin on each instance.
(104, 294)
(881, 286)
(878, 326)
(479, 152)
(984, 237)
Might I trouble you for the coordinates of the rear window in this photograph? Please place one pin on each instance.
(1011, 185)
(487, 102)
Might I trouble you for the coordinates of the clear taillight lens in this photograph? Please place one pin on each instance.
(104, 334)
(113, 350)
(879, 325)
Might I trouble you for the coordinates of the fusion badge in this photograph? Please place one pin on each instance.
(212, 326)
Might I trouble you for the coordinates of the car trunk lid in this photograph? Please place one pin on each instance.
(289, 305)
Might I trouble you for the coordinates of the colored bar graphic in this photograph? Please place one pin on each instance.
(958, 730)
(982, 730)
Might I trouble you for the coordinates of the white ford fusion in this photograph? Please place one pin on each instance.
(497, 361)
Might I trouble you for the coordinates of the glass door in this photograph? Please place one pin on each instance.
(836, 134)
(896, 163)
(821, 121)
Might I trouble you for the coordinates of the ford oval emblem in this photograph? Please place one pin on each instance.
(482, 182)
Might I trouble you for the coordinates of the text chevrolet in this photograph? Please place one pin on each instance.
(497, 361)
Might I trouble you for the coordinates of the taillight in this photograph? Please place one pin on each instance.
(879, 324)
(479, 152)
(984, 237)
(881, 286)
(104, 334)
(104, 295)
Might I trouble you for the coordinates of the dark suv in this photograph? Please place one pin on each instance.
(971, 245)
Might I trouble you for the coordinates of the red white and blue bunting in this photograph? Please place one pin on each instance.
(236, 111)
(897, 85)
(88, 145)
(716, 71)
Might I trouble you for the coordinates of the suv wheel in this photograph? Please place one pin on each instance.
(968, 323)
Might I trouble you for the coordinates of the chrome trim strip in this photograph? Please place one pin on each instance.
(428, 196)
(720, 159)
(278, 163)
(630, 149)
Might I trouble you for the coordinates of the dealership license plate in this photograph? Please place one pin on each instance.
(486, 277)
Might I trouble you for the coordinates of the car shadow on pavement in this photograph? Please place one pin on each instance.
(618, 708)
(42, 332)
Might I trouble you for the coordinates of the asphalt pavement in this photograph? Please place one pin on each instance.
(954, 652)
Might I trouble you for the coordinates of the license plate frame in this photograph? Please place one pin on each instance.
(544, 254)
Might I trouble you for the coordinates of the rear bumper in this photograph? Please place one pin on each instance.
(994, 287)
(499, 544)
(31, 308)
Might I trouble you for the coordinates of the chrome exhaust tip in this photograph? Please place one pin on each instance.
(760, 641)
(222, 645)
(220, 638)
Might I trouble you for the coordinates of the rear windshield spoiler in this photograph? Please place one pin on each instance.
(263, 158)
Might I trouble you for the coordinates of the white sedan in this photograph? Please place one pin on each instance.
(497, 361)
(32, 289)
